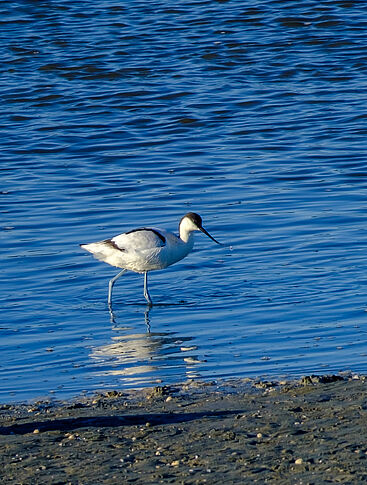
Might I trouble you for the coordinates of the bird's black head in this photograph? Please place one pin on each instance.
(193, 222)
(196, 219)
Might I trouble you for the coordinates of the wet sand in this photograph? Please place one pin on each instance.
(311, 431)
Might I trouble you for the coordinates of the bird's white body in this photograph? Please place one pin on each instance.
(147, 249)
(142, 250)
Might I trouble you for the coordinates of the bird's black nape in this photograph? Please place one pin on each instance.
(196, 219)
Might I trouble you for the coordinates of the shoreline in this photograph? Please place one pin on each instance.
(310, 430)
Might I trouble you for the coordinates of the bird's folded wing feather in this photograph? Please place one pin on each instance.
(139, 239)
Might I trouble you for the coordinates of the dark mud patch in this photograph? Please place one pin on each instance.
(310, 431)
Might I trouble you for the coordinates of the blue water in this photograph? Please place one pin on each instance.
(119, 115)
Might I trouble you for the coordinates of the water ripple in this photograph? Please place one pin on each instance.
(131, 115)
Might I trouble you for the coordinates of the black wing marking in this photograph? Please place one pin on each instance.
(113, 245)
(157, 233)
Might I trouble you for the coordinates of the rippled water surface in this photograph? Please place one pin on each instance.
(117, 115)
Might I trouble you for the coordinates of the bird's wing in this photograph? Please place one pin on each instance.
(140, 239)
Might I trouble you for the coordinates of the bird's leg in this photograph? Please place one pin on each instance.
(110, 286)
(146, 292)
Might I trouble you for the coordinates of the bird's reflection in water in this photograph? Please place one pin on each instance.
(146, 316)
(140, 358)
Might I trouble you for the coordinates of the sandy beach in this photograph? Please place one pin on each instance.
(309, 431)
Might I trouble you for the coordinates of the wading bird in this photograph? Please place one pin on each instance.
(147, 249)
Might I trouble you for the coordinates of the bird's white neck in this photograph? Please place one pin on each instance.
(186, 229)
(186, 236)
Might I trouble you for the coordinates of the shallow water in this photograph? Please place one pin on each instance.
(123, 116)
